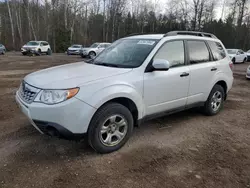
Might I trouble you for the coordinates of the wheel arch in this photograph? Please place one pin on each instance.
(128, 103)
(223, 84)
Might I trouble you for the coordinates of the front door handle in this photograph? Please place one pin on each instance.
(184, 74)
(214, 69)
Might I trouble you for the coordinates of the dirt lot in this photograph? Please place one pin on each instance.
(182, 150)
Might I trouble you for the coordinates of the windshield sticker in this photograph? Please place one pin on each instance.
(146, 42)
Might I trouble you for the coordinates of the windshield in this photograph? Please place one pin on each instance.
(126, 53)
(32, 43)
(248, 51)
(94, 45)
(232, 51)
(76, 46)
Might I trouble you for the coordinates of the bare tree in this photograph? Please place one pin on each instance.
(26, 5)
(11, 24)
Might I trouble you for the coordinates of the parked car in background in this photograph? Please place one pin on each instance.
(75, 49)
(237, 55)
(248, 55)
(2, 49)
(94, 50)
(248, 72)
(135, 79)
(36, 47)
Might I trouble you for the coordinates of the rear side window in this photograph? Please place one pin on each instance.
(198, 52)
(217, 50)
(173, 52)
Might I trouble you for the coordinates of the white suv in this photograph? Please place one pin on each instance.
(93, 50)
(135, 79)
(36, 47)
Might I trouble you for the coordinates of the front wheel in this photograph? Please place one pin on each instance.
(110, 128)
(233, 60)
(92, 55)
(215, 101)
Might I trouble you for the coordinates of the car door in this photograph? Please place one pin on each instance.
(42, 47)
(242, 55)
(238, 57)
(100, 48)
(202, 69)
(167, 90)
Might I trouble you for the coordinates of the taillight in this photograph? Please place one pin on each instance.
(231, 65)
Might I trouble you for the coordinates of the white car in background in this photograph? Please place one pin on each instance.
(94, 50)
(75, 49)
(36, 47)
(248, 72)
(237, 55)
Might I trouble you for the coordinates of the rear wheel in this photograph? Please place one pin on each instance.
(245, 60)
(215, 101)
(3, 52)
(110, 128)
(48, 52)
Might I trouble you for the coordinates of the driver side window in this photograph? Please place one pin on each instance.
(173, 52)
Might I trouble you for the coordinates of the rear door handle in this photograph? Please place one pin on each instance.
(184, 74)
(214, 69)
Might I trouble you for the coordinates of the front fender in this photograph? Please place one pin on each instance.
(100, 97)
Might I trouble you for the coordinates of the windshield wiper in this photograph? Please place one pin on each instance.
(106, 64)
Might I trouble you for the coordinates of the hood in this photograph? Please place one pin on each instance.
(70, 48)
(231, 55)
(87, 49)
(28, 46)
(71, 75)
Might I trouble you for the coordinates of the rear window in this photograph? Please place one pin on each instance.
(217, 50)
(198, 52)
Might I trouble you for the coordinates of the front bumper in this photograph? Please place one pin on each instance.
(27, 51)
(248, 74)
(73, 52)
(71, 117)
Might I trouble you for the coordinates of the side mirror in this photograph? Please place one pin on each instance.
(161, 65)
(238, 53)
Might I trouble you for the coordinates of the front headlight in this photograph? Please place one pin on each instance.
(57, 96)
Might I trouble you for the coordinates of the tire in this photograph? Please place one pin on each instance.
(104, 120)
(48, 52)
(92, 54)
(24, 53)
(212, 107)
(39, 52)
(233, 60)
(245, 60)
(3, 52)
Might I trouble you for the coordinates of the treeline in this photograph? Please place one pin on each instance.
(64, 22)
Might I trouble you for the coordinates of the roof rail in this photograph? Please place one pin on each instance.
(194, 33)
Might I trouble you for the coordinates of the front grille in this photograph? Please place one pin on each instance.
(28, 92)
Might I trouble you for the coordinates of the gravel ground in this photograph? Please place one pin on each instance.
(181, 150)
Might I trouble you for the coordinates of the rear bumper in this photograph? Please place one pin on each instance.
(68, 118)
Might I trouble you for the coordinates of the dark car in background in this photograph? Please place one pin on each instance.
(2, 49)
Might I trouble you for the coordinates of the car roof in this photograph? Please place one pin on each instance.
(149, 36)
(180, 36)
(38, 41)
